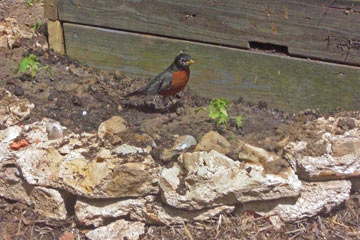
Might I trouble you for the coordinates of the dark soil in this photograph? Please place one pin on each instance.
(81, 97)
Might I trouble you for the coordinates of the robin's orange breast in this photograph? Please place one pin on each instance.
(179, 81)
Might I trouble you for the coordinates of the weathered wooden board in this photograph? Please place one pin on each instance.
(51, 9)
(320, 29)
(286, 83)
(56, 37)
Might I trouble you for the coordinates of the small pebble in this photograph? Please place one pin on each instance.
(19, 91)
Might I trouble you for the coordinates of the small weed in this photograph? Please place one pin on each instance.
(218, 112)
(31, 65)
(239, 121)
(36, 26)
(32, 2)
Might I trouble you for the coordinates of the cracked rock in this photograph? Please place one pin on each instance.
(202, 180)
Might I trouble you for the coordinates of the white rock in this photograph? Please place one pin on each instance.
(212, 179)
(13, 109)
(340, 160)
(316, 197)
(48, 203)
(96, 211)
(54, 130)
(125, 149)
(157, 213)
(121, 230)
(13, 187)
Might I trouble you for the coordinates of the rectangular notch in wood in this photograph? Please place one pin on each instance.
(269, 47)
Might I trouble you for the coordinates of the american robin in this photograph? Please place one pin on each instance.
(169, 82)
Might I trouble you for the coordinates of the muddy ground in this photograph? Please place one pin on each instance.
(81, 97)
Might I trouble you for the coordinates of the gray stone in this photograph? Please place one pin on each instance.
(181, 144)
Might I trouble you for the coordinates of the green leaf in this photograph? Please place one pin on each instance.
(214, 115)
(24, 64)
(239, 121)
(201, 109)
(223, 111)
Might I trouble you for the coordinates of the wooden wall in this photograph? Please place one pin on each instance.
(142, 37)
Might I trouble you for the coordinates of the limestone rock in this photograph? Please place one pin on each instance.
(316, 197)
(340, 159)
(157, 213)
(96, 211)
(12, 187)
(251, 154)
(120, 229)
(13, 109)
(203, 180)
(7, 136)
(78, 165)
(126, 149)
(213, 141)
(48, 203)
(181, 144)
(112, 126)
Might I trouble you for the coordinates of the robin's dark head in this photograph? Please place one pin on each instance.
(183, 61)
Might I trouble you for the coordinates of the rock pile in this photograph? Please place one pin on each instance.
(113, 176)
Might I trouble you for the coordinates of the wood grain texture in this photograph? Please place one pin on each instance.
(318, 29)
(286, 83)
(51, 9)
(56, 36)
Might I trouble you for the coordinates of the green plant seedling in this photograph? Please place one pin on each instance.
(239, 121)
(30, 64)
(36, 26)
(32, 2)
(217, 111)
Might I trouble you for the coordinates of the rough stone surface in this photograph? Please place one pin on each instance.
(95, 212)
(126, 149)
(181, 144)
(202, 180)
(13, 109)
(315, 197)
(48, 203)
(71, 164)
(12, 187)
(7, 136)
(157, 213)
(213, 141)
(340, 160)
(112, 126)
(120, 229)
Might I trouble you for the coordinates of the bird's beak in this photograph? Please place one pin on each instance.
(190, 62)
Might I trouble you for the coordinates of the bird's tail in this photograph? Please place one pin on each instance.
(132, 94)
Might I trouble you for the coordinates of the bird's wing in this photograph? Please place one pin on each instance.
(159, 83)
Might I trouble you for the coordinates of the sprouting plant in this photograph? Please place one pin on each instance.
(218, 112)
(32, 2)
(36, 26)
(239, 121)
(30, 64)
